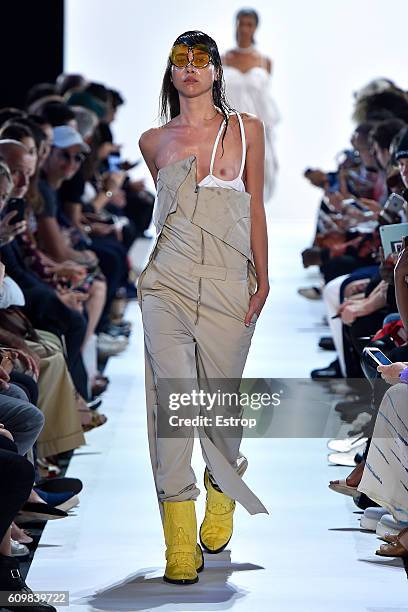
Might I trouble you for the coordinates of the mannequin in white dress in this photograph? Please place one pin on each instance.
(247, 76)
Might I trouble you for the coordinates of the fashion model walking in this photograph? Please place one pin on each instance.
(248, 75)
(205, 284)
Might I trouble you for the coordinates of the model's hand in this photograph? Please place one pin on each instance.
(256, 304)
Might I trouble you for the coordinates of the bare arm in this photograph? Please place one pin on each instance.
(269, 65)
(148, 146)
(255, 161)
(73, 210)
(52, 241)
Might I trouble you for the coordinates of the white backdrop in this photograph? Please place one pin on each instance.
(323, 51)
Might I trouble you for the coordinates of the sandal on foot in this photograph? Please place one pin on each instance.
(97, 420)
(343, 488)
(393, 548)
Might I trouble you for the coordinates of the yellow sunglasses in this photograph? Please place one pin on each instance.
(179, 56)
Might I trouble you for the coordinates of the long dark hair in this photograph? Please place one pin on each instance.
(169, 97)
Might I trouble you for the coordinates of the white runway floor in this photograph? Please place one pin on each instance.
(307, 555)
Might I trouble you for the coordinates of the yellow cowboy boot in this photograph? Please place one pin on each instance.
(180, 534)
(216, 528)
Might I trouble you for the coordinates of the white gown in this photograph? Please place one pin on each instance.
(250, 92)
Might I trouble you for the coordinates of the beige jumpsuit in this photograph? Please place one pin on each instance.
(194, 293)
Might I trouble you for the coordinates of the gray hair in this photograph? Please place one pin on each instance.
(86, 119)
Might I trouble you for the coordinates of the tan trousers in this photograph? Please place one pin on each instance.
(62, 429)
(190, 352)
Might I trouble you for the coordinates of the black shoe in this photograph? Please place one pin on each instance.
(363, 502)
(326, 343)
(11, 580)
(358, 458)
(347, 406)
(351, 415)
(60, 485)
(36, 511)
(332, 371)
(131, 292)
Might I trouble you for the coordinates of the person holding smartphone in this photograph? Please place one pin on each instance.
(398, 372)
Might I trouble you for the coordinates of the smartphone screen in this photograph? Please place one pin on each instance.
(378, 356)
(114, 163)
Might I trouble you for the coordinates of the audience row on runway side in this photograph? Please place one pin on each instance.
(361, 248)
(69, 214)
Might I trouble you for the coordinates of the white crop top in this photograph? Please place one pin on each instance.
(213, 181)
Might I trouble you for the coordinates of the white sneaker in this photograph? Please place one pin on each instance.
(388, 524)
(347, 444)
(372, 517)
(311, 293)
(346, 459)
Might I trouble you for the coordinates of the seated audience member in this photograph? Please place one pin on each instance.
(16, 481)
(55, 231)
(381, 137)
(384, 479)
(67, 84)
(46, 308)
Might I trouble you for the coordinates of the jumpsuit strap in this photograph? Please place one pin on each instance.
(243, 140)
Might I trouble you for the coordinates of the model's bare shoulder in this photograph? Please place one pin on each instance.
(266, 62)
(149, 142)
